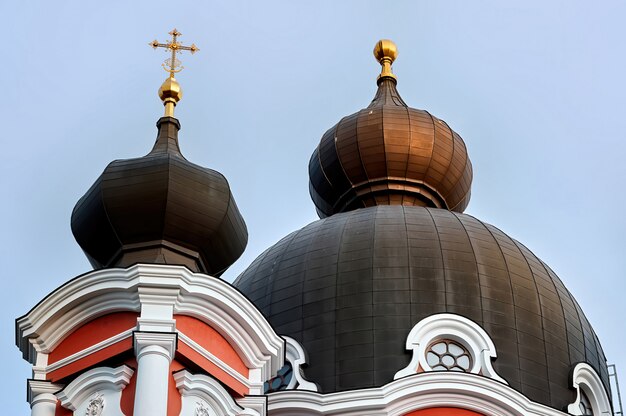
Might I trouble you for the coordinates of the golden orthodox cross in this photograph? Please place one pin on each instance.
(173, 65)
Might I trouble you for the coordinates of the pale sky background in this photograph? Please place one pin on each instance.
(536, 89)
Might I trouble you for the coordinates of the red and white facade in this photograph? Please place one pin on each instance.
(160, 340)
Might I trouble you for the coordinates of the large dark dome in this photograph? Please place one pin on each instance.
(350, 287)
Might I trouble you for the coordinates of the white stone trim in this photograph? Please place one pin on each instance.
(297, 357)
(200, 391)
(154, 352)
(212, 358)
(105, 382)
(419, 391)
(41, 391)
(105, 291)
(89, 350)
(162, 343)
(50, 327)
(585, 378)
(39, 369)
(252, 404)
(457, 328)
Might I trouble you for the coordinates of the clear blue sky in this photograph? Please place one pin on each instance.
(536, 89)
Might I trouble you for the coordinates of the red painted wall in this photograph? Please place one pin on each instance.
(211, 340)
(92, 333)
(216, 344)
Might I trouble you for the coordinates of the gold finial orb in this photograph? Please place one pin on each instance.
(170, 93)
(385, 48)
(385, 53)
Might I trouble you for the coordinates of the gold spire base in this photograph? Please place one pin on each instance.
(386, 70)
(169, 108)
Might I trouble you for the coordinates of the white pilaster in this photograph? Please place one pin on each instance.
(41, 397)
(154, 351)
(157, 309)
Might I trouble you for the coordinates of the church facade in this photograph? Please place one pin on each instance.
(394, 302)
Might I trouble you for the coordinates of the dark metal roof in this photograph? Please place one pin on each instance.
(160, 208)
(389, 154)
(350, 287)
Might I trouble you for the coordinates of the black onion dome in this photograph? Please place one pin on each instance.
(160, 208)
(351, 286)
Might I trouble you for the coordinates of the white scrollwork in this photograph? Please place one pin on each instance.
(454, 328)
(296, 356)
(201, 410)
(586, 381)
(96, 406)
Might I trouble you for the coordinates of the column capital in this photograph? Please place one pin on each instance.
(163, 343)
(42, 391)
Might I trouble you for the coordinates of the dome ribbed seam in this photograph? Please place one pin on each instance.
(506, 264)
(543, 329)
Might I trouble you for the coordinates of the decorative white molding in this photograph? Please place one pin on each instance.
(89, 350)
(154, 352)
(154, 290)
(253, 405)
(157, 308)
(213, 359)
(156, 325)
(201, 410)
(95, 406)
(39, 369)
(419, 391)
(585, 378)
(95, 389)
(202, 395)
(162, 343)
(40, 391)
(297, 357)
(456, 328)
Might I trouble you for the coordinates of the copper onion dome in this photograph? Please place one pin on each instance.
(389, 154)
(161, 208)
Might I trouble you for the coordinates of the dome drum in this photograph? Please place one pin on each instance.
(390, 191)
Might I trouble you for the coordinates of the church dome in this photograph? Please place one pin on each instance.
(350, 287)
(395, 248)
(161, 208)
(389, 153)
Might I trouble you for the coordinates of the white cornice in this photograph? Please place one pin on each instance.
(420, 391)
(105, 291)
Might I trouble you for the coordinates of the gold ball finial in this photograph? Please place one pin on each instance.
(385, 53)
(170, 93)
